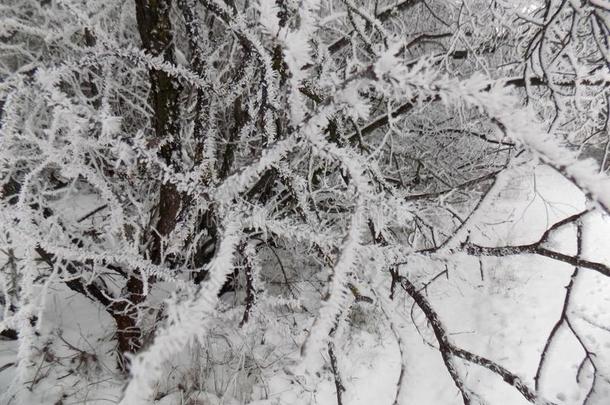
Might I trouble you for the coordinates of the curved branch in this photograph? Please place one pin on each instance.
(448, 349)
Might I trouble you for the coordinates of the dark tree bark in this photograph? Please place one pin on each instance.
(155, 30)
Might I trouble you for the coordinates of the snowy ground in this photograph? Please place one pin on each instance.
(501, 308)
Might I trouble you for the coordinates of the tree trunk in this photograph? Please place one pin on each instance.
(155, 30)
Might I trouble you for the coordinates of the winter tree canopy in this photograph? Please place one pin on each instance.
(238, 201)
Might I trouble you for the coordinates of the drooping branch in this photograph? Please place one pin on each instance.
(339, 387)
(441, 337)
(563, 317)
(448, 350)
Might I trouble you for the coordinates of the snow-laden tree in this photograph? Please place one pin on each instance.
(255, 166)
